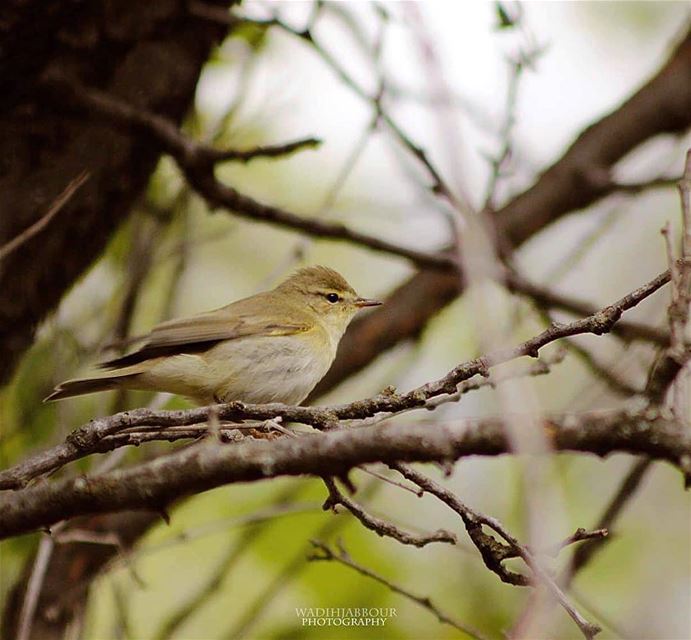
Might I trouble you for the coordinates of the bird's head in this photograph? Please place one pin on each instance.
(326, 293)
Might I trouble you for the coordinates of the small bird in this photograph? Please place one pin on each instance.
(271, 347)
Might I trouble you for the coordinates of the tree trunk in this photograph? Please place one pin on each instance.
(147, 53)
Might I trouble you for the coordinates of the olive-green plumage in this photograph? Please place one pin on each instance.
(271, 347)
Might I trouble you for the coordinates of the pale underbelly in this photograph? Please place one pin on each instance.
(257, 370)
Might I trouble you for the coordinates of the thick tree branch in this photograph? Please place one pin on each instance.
(583, 174)
(155, 484)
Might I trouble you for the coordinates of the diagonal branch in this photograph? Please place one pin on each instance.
(378, 525)
(578, 179)
(40, 224)
(198, 161)
(493, 552)
(94, 436)
(322, 552)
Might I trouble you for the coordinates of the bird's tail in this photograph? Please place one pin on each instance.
(79, 387)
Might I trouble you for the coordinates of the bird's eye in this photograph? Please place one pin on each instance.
(332, 297)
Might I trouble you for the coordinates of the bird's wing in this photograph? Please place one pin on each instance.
(199, 333)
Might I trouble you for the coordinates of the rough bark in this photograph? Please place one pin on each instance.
(155, 485)
(148, 53)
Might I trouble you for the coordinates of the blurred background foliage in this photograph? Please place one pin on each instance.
(243, 547)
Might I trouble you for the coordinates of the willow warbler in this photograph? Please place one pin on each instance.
(271, 347)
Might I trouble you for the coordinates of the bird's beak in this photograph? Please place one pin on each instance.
(364, 302)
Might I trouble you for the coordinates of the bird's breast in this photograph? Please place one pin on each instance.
(269, 368)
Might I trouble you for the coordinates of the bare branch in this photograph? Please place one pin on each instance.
(264, 151)
(93, 437)
(34, 586)
(379, 526)
(580, 535)
(540, 367)
(547, 298)
(153, 485)
(197, 162)
(662, 374)
(674, 359)
(681, 294)
(494, 552)
(94, 434)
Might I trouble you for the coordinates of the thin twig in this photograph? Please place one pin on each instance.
(34, 587)
(493, 552)
(517, 66)
(379, 526)
(542, 366)
(548, 298)
(264, 151)
(580, 535)
(627, 489)
(674, 359)
(416, 492)
(322, 552)
(40, 224)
